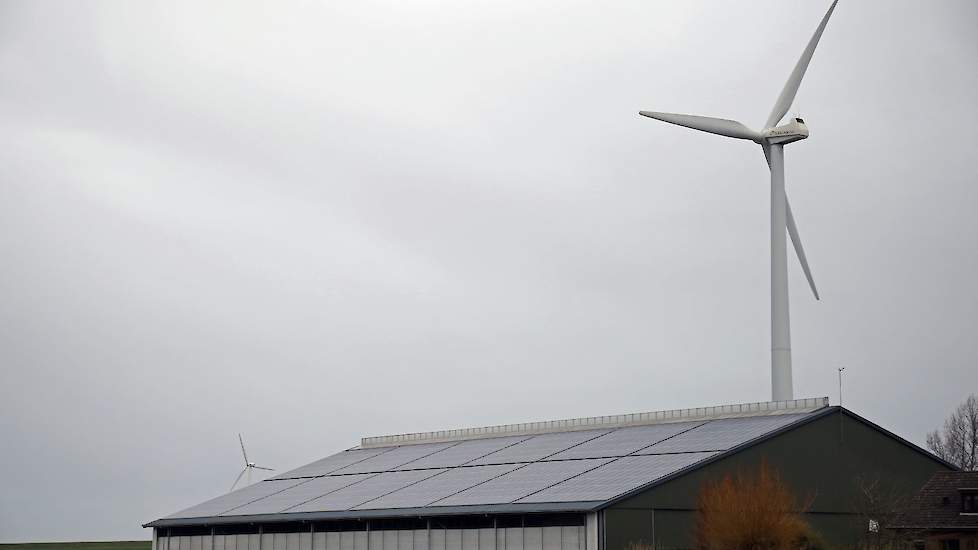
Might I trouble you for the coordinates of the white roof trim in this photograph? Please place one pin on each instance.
(794, 406)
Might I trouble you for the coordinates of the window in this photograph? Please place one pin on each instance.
(969, 502)
(189, 530)
(463, 522)
(286, 527)
(236, 529)
(398, 524)
(551, 520)
(340, 525)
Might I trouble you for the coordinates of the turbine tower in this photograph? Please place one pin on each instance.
(772, 140)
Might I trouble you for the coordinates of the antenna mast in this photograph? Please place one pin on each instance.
(840, 384)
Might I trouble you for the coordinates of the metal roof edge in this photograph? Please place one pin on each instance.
(899, 439)
(736, 410)
(541, 507)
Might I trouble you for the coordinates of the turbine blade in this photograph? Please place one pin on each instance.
(799, 249)
(243, 452)
(793, 233)
(720, 126)
(787, 96)
(264, 468)
(237, 479)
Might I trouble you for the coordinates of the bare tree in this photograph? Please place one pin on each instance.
(879, 505)
(957, 443)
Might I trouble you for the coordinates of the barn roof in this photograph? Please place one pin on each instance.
(566, 465)
(938, 504)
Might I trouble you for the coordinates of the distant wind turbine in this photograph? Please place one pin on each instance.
(249, 466)
(772, 140)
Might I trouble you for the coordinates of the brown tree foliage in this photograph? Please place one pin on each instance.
(750, 511)
(957, 443)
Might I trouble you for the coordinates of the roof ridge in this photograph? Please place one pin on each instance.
(762, 408)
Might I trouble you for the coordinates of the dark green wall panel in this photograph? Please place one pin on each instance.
(624, 526)
(823, 461)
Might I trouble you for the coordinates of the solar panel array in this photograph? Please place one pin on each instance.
(572, 466)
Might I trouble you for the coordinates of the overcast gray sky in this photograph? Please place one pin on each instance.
(314, 221)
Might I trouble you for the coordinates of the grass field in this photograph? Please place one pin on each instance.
(114, 545)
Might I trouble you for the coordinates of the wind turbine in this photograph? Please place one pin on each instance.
(249, 466)
(772, 140)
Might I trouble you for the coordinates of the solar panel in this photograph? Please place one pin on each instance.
(332, 463)
(718, 435)
(297, 494)
(596, 464)
(438, 487)
(396, 457)
(624, 441)
(617, 477)
(218, 505)
(521, 482)
(370, 488)
(465, 451)
(538, 447)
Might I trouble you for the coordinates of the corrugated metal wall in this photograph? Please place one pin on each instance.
(513, 538)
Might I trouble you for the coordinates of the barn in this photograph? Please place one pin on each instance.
(596, 483)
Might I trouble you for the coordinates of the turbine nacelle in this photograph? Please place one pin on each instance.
(249, 466)
(791, 132)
